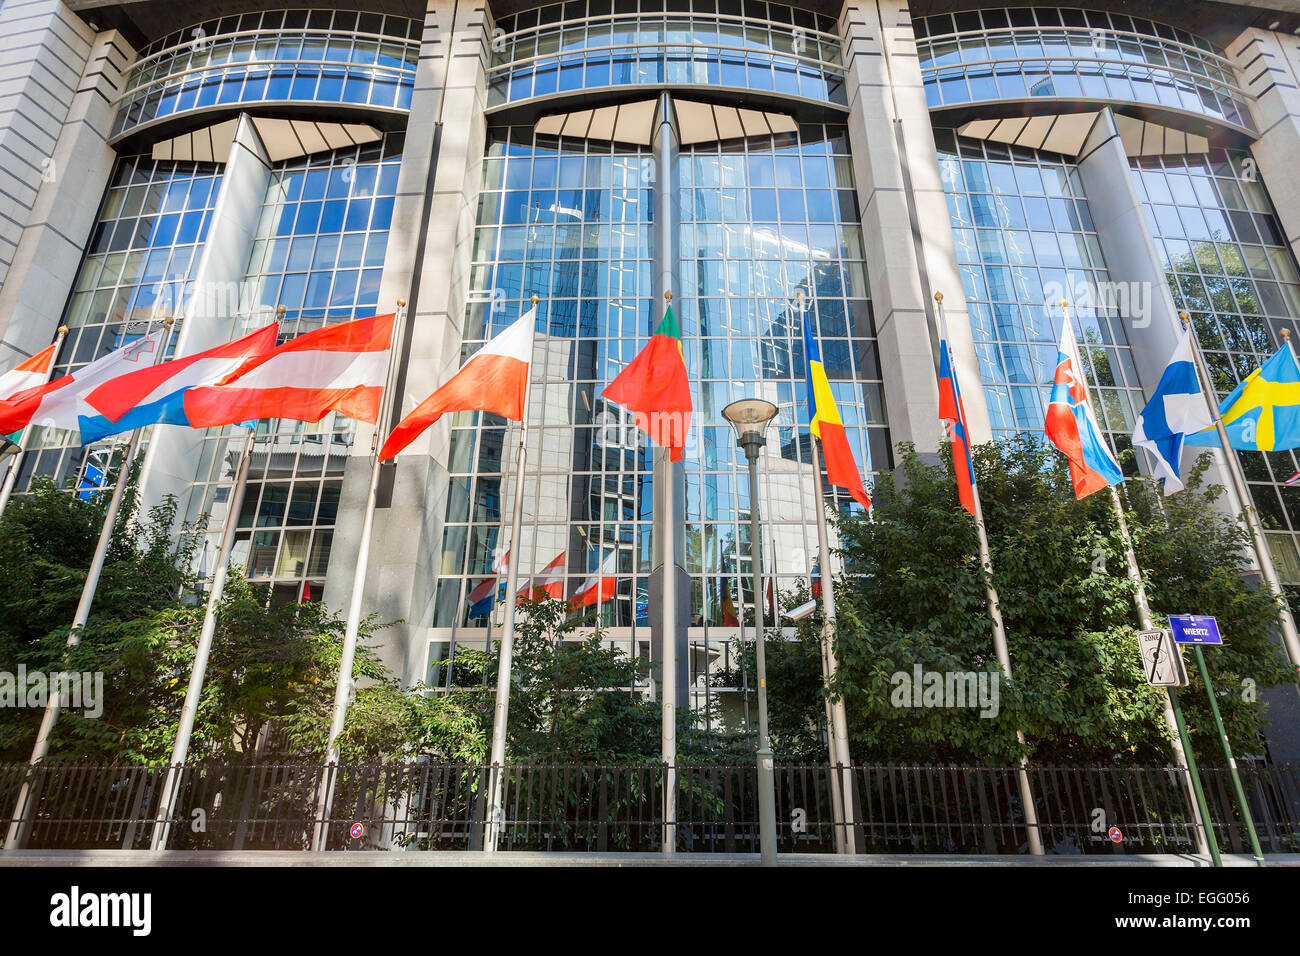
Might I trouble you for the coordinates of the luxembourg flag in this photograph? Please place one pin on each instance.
(155, 395)
(62, 402)
(483, 598)
(494, 379)
(1072, 427)
(339, 368)
(1176, 410)
(601, 586)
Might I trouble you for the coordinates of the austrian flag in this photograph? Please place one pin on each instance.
(339, 368)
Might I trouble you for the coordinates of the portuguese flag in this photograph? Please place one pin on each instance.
(655, 389)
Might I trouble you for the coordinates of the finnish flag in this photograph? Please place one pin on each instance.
(1176, 410)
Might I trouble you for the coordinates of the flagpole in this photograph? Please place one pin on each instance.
(11, 477)
(999, 635)
(668, 663)
(1290, 639)
(198, 672)
(1180, 744)
(20, 825)
(344, 686)
(842, 777)
(501, 710)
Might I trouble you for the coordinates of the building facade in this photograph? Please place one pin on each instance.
(761, 161)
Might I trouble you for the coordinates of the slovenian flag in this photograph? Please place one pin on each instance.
(1176, 410)
(824, 423)
(494, 379)
(155, 395)
(953, 411)
(339, 368)
(1072, 427)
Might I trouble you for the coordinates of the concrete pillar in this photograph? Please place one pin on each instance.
(429, 267)
(211, 311)
(57, 83)
(910, 250)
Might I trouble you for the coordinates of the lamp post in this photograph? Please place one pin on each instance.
(750, 418)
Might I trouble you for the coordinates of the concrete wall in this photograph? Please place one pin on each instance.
(429, 268)
(910, 249)
(57, 83)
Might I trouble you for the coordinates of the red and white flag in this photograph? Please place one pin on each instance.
(339, 368)
(601, 586)
(33, 373)
(495, 379)
(550, 582)
(62, 402)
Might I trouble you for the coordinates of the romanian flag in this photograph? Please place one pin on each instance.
(952, 411)
(655, 389)
(841, 469)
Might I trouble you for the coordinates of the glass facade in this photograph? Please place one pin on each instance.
(571, 221)
(145, 246)
(303, 56)
(1025, 240)
(1028, 52)
(568, 47)
(1229, 266)
(319, 253)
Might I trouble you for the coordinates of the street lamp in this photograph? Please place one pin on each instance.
(750, 417)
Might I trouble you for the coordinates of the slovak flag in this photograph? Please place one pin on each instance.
(550, 583)
(600, 586)
(339, 368)
(155, 395)
(494, 379)
(62, 402)
(1072, 427)
(952, 411)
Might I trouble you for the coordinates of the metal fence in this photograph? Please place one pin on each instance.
(585, 807)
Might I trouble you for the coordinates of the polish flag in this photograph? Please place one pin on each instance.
(21, 388)
(601, 586)
(340, 368)
(32, 373)
(495, 379)
(550, 582)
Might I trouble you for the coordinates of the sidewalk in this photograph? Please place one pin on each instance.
(223, 858)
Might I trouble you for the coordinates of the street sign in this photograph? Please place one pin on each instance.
(1195, 629)
(1161, 662)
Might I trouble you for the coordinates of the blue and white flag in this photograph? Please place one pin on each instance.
(1176, 410)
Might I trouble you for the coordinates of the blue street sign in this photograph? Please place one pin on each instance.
(1194, 629)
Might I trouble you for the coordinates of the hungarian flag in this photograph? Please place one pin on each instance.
(600, 586)
(548, 584)
(841, 469)
(655, 389)
(339, 368)
(495, 379)
(953, 412)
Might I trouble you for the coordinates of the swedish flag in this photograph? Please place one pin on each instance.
(1263, 412)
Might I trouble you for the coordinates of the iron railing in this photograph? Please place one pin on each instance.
(420, 805)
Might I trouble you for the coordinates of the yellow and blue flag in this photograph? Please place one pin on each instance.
(1263, 412)
(825, 424)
